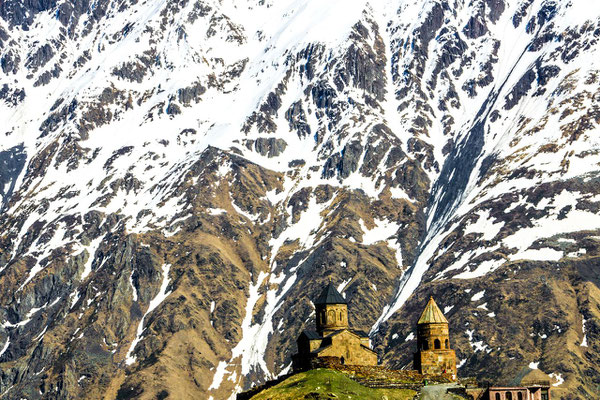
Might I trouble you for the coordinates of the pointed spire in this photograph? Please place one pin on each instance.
(432, 314)
(330, 295)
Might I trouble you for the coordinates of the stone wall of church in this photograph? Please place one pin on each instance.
(435, 362)
(349, 347)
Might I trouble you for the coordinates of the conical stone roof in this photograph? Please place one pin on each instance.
(330, 295)
(432, 314)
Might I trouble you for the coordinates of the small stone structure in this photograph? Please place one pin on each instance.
(529, 384)
(333, 337)
(434, 355)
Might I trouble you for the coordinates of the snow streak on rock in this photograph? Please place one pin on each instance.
(155, 302)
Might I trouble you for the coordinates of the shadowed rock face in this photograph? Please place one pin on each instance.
(23, 13)
(12, 162)
(180, 178)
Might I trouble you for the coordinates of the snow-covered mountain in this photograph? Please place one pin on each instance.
(179, 178)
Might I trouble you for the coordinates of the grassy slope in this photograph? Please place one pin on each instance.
(322, 383)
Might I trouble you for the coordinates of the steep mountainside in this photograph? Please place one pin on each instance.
(179, 178)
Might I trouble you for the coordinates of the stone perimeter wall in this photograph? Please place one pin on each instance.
(379, 372)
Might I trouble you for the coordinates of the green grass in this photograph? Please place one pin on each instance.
(328, 384)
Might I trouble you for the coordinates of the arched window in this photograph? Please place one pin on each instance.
(426, 345)
(520, 396)
(332, 316)
(498, 396)
(447, 345)
(341, 316)
(436, 344)
(508, 396)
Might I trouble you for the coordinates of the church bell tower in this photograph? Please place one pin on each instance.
(434, 355)
(331, 311)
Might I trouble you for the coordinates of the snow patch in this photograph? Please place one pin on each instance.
(74, 296)
(484, 268)
(567, 240)
(558, 377)
(154, 303)
(478, 296)
(485, 226)
(534, 365)
(91, 249)
(399, 193)
(255, 337)
(578, 253)
(305, 229)
(215, 211)
(584, 342)
(545, 254)
(381, 231)
(5, 346)
(133, 288)
(574, 221)
(7, 324)
(342, 286)
(41, 335)
(251, 217)
(479, 345)
(219, 375)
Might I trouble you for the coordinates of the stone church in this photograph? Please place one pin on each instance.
(434, 355)
(333, 336)
(334, 339)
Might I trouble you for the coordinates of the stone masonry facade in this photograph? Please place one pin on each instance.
(333, 336)
(434, 355)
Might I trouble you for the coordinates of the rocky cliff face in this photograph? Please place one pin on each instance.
(179, 179)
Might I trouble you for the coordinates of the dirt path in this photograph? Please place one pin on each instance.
(437, 392)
